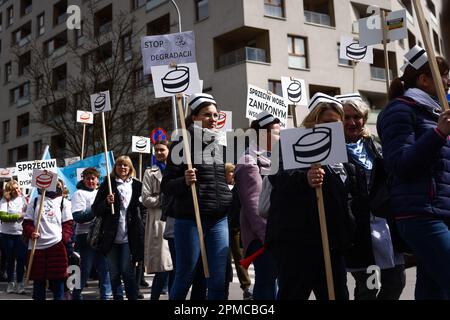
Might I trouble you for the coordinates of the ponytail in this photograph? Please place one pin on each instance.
(397, 89)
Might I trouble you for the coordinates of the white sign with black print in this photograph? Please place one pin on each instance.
(43, 179)
(263, 100)
(169, 81)
(85, 117)
(25, 170)
(294, 91)
(165, 49)
(80, 173)
(69, 161)
(324, 144)
(7, 173)
(140, 144)
(100, 102)
(225, 121)
(350, 49)
(371, 31)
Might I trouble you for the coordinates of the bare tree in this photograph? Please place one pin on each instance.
(99, 57)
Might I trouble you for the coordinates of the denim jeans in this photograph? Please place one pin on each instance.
(392, 284)
(16, 252)
(89, 257)
(187, 247)
(39, 290)
(122, 268)
(430, 241)
(265, 287)
(160, 280)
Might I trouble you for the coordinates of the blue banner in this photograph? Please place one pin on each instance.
(69, 173)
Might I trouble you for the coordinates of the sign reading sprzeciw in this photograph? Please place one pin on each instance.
(24, 170)
(262, 100)
(166, 49)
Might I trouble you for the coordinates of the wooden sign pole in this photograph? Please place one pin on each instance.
(431, 55)
(82, 142)
(33, 247)
(107, 159)
(140, 166)
(355, 64)
(325, 243)
(187, 152)
(383, 15)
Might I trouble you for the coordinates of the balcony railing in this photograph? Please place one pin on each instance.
(28, 9)
(59, 51)
(377, 73)
(24, 40)
(317, 18)
(23, 101)
(242, 54)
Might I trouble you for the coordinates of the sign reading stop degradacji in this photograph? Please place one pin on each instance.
(166, 49)
(85, 117)
(44, 179)
(158, 134)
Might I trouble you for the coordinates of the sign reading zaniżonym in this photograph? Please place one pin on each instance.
(262, 100)
(166, 49)
(24, 170)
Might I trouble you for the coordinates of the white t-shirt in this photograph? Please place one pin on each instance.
(52, 218)
(81, 200)
(125, 189)
(17, 205)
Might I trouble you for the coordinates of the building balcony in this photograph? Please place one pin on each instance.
(242, 54)
(23, 41)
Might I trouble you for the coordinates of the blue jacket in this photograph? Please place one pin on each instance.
(418, 159)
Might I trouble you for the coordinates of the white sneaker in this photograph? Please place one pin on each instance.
(11, 287)
(21, 288)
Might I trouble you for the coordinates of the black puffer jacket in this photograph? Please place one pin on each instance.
(213, 194)
(110, 222)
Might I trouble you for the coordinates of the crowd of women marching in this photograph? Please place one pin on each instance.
(152, 225)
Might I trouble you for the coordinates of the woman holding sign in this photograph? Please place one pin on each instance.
(214, 199)
(123, 232)
(293, 230)
(50, 261)
(414, 130)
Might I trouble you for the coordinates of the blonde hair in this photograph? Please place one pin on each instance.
(313, 117)
(128, 162)
(229, 167)
(361, 109)
(9, 188)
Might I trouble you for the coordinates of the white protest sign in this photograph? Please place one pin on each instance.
(369, 34)
(263, 100)
(166, 49)
(25, 170)
(100, 102)
(7, 173)
(140, 144)
(351, 50)
(85, 117)
(324, 144)
(225, 121)
(80, 173)
(69, 161)
(294, 91)
(169, 81)
(43, 179)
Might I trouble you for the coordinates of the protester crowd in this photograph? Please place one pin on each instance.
(391, 198)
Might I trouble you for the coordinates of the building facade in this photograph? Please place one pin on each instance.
(238, 42)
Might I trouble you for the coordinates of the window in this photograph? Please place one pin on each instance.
(41, 24)
(26, 6)
(60, 12)
(39, 87)
(104, 53)
(23, 125)
(377, 69)
(275, 87)
(37, 149)
(319, 12)
(5, 131)
(274, 8)
(411, 40)
(22, 36)
(1, 21)
(10, 13)
(57, 45)
(8, 72)
(24, 62)
(135, 4)
(22, 153)
(436, 42)
(141, 80)
(431, 7)
(331, 91)
(60, 77)
(201, 9)
(408, 6)
(20, 95)
(159, 26)
(57, 146)
(297, 52)
(59, 108)
(103, 21)
(127, 52)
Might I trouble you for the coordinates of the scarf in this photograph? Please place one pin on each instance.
(424, 99)
(359, 153)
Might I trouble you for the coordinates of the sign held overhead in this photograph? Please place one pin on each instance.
(396, 23)
(263, 100)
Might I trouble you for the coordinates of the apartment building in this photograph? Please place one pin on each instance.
(238, 42)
